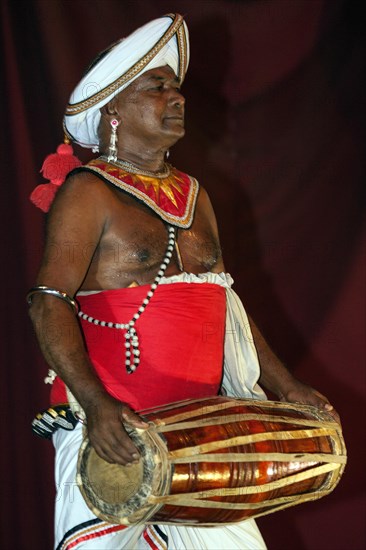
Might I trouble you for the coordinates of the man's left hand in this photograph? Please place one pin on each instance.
(306, 395)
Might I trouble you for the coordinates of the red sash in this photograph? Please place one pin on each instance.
(181, 337)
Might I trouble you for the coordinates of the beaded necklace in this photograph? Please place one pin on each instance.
(132, 352)
(133, 169)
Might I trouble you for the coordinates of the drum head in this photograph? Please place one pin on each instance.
(114, 492)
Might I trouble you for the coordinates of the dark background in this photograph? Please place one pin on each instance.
(275, 122)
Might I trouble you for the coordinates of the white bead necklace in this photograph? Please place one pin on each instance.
(132, 352)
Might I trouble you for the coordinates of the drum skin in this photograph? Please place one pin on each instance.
(217, 461)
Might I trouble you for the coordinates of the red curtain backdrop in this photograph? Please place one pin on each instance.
(275, 132)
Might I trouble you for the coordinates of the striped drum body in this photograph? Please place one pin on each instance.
(217, 461)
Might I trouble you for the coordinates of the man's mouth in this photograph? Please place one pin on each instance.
(175, 119)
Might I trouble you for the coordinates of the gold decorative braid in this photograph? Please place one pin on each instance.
(175, 27)
(182, 52)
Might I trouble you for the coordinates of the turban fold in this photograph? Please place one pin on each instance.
(163, 41)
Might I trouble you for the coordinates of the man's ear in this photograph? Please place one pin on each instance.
(110, 110)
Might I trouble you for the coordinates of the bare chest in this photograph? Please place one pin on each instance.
(133, 246)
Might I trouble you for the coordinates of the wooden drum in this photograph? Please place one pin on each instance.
(217, 461)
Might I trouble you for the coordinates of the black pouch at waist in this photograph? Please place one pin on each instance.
(48, 421)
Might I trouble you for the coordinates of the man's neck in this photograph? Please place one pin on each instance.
(152, 161)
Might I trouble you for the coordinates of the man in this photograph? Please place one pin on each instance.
(136, 242)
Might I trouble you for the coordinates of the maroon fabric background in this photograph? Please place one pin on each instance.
(275, 125)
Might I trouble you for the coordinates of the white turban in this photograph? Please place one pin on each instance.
(163, 41)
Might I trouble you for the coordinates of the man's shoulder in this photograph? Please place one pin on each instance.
(82, 181)
(81, 191)
(82, 176)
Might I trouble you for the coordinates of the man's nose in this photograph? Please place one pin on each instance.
(177, 99)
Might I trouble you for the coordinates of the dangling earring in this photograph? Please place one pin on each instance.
(113, 140)
(167, 154)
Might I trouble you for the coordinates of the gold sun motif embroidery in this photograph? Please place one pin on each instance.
(166, 185)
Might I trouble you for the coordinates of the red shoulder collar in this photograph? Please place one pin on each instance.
(172, 197)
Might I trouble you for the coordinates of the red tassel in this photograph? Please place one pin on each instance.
(55, 168)
(43, 195)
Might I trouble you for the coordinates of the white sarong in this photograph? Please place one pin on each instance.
(77, 528)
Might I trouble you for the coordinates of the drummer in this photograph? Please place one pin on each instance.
(137, 247)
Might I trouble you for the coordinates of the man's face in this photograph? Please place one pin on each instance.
(152, 108)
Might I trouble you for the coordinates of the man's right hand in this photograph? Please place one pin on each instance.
(105, 418)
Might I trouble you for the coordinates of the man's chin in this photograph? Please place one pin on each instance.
(176, 134)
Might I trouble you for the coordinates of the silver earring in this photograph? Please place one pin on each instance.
(113, 140)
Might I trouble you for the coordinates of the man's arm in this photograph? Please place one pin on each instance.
(75, 227)
(276, 378)
(274, 375)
